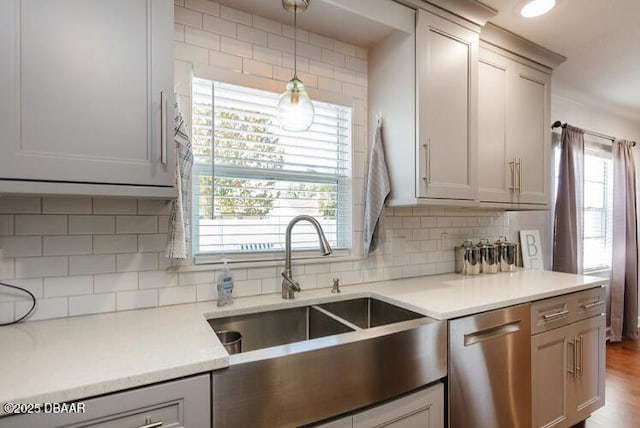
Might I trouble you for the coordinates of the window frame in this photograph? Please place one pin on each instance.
(345, 204)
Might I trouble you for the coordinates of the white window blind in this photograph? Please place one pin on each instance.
(598, 205)
(250, 178)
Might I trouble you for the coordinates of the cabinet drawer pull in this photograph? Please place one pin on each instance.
(512, 164)
(593, 305)
(150, 424)
(427, 147)
(555, 315)
(581, 358)
(163, 128)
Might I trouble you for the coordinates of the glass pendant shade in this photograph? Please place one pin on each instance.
(295, 111)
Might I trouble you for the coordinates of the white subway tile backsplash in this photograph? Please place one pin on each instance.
(257, 68)
(236, 47)
(20, 205)
(67, 245)
(205, 292)
(310, 51)
(35, 267)
(154, 206)
(235, 15)
(280, 43)
(188, 17)
(23, 246)
(333, 57)
(7, 268)
(267, 25)
(252, 35)
(356, 64)
(126, 300)
(328, 84)
(322, 41)
(204, 39)
(68, 286)
(195, 278)
(177, 295)
(6, 224)
(34, 285)
(157, 279)
(137, 224)
(205, 6)
(115, 206)
(152, 243)
(136, 262)
(219, 26)
(115, 282)
(344, 48)
(270, 56)
(66, 205)
(45, 309)
(93, 264)
(190, 53)
(249, 287)
(40, 224)
(178, 32)
(92, 224)
(224, 60)
(92, 304)
(109, 244)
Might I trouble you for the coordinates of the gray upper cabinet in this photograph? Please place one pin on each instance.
(423, 79)
(447, 107)
(87, 92)
(514, 136)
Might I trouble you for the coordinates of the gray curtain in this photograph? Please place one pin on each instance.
(567, 225)
(624, 268)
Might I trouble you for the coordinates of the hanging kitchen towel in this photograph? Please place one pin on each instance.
(377, 189)
(177, 239)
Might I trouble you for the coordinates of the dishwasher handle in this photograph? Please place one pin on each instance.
(491, 333)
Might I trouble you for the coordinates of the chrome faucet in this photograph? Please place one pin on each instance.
(289, 285)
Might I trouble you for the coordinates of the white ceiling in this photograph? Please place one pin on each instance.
(601, 40)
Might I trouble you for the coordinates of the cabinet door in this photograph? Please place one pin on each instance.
(529, 135)
(183, 403)
(447, 109)
(551, 358)
(81, 84)
(423, 409)
(496, 172)
(586, 389)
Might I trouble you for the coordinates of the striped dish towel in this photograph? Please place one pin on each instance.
(377, 189)
(178, 221)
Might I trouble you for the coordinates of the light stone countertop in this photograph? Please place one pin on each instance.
(73, 358)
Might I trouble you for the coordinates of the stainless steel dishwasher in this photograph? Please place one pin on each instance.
(490, 369)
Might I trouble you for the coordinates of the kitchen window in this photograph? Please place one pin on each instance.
(598, 206)
(250, 177)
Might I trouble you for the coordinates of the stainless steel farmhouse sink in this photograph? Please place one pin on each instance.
(304, 364)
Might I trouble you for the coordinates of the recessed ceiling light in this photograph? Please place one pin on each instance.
(537, 8)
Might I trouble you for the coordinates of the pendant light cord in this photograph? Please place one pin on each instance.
(295, 40)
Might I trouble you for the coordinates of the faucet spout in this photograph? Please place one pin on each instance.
(289, 286)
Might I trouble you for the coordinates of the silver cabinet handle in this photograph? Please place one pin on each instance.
(491, 333)
(150, 424)
(519, 174)
(555, 315)
(593, 305)
(512, 165)
(427, 146)
(580, 367)
(163, 128)
(575, 357)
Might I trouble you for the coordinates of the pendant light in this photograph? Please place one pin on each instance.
(295, 111)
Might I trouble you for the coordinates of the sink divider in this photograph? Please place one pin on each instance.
(337, 318)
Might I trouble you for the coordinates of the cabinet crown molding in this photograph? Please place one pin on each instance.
(470, 10)
(518, 45)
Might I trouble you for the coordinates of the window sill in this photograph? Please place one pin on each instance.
(214, 262)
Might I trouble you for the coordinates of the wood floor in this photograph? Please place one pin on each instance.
(622, 395)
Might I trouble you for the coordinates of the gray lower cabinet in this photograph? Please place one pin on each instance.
(568, 359)
(422, 409)
(176, 404)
